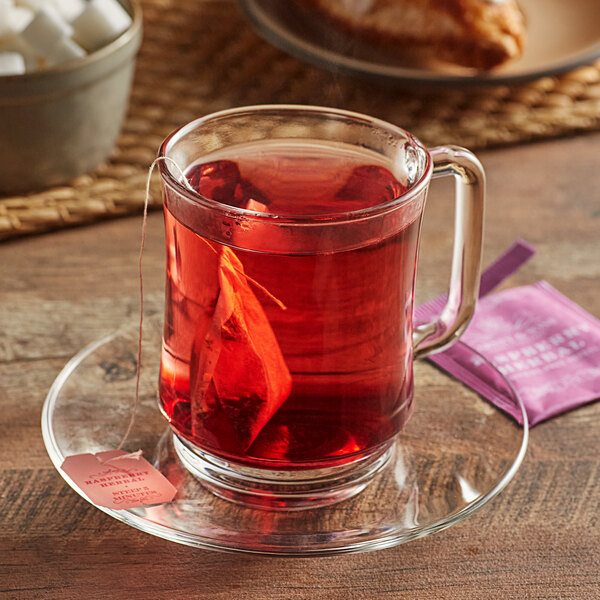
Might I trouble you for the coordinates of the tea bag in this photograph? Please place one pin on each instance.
(238, 376)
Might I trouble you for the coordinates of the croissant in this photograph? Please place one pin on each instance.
(481, 34)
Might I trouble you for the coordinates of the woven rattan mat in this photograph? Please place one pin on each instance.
(199, 56)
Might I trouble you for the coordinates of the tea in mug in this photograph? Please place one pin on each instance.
(289, 360)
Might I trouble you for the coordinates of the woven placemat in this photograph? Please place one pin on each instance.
(199, 56)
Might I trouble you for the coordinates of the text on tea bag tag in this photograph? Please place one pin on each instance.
(118, 480)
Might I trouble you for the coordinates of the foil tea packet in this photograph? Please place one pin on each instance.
(545, 345)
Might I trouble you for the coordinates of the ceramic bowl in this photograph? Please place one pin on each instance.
(60, 122)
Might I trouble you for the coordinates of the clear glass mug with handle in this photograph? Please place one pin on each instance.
(292, 246)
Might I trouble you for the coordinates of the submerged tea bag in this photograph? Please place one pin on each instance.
(238, 376)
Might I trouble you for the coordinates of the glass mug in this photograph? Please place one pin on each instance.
(286, 366)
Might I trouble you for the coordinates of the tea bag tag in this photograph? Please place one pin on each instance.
(117, 479)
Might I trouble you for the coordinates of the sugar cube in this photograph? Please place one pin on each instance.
(69, 9)
(14, 43)
(45, 30)
(64, 50)
(33, 5)
(100, 22)
(20, 17)
(11, 63)
(6, 8)
(50, 32)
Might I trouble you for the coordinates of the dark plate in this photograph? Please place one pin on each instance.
(561, 36)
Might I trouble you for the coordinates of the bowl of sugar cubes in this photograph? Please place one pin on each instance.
(66, 68)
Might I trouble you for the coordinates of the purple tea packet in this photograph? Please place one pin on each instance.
(544, 344)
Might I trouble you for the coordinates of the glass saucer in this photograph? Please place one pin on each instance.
(456, 453)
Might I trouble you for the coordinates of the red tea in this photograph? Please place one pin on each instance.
(280, 359)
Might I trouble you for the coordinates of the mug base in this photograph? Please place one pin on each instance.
(269, 489)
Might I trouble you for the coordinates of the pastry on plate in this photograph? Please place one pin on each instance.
(481, 34)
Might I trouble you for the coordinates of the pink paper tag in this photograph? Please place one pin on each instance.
(118, 480)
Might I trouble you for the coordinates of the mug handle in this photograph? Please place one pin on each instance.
(468, 173)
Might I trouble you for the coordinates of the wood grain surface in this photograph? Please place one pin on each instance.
(539, 539)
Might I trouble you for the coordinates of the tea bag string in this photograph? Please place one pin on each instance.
(255, 283)
(141, 321)
(264, 290)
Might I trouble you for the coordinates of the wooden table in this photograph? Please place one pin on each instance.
(539, 539)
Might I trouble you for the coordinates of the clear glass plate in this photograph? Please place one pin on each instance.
(456, 453)
(560, 36)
